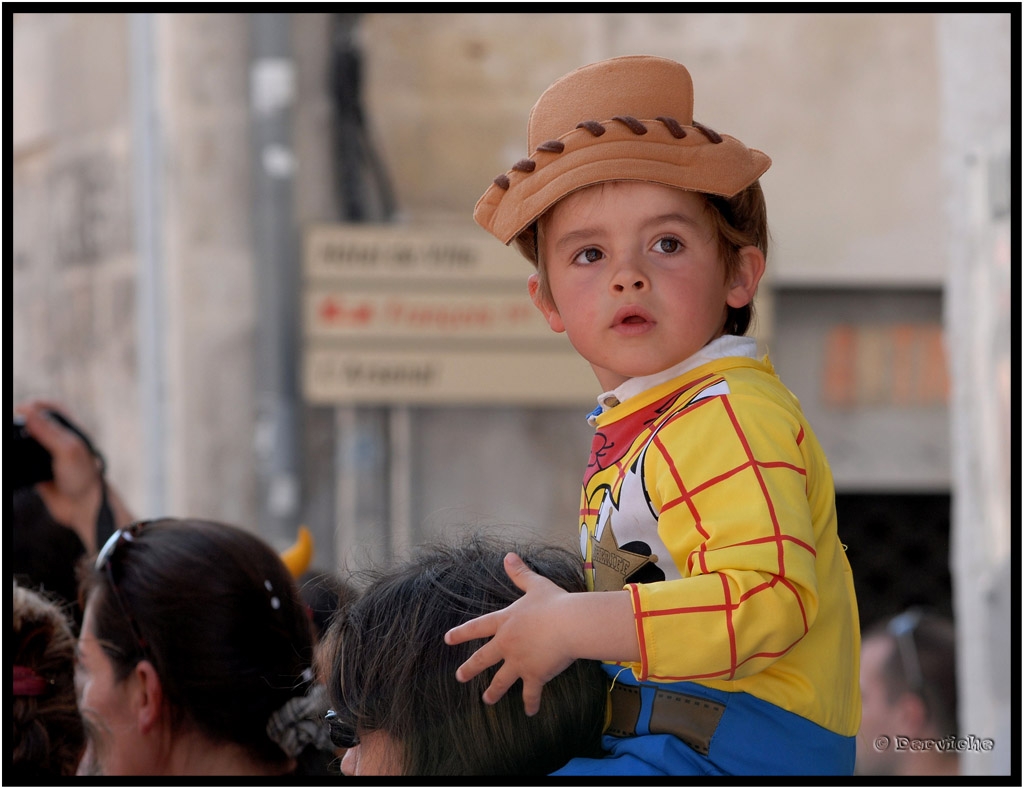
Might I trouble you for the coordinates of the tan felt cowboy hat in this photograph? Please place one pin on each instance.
(624, 119)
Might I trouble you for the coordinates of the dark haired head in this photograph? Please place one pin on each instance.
(45, 553)
(48, 733)
(323, 593)
(922, 661)
(217, 613)
(389, 669)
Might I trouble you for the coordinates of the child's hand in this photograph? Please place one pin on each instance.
(530, 637)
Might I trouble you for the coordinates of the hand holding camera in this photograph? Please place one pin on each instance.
(59, 459)
(32, 461)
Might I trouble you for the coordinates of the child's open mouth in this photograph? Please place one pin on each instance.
(632, 320)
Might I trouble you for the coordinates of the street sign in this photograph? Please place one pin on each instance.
(395, 314)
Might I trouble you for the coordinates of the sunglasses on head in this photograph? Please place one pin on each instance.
(902, 628)
(110, 560)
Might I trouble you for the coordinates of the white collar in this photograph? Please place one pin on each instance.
(726, 345)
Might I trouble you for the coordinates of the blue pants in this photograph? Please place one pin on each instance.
(753, 737)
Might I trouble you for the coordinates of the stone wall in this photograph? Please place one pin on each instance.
(867, 118)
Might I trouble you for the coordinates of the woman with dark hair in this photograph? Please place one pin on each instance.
(391, 678)
(48, 736)
(195, 657)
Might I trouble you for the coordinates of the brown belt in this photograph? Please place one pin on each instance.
(690, 718)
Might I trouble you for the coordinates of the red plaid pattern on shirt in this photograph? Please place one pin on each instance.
(711, 501)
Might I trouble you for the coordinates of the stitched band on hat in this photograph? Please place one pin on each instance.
(673, 126)
(593, 127)
(634, 125)
(711, 134)
(637, 125)
(552, 146)
(598, 129)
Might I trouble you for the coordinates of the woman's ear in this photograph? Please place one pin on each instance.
(746, 277)
(911, 714)
(544, 303)
(150, 696)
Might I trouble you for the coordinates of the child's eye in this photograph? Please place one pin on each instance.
(668, 245)
(588, 255)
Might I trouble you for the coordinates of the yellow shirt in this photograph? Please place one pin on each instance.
(710, 499)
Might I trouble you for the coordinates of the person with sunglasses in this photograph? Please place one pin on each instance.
(195, 658)
(397, 707)
(908, 687)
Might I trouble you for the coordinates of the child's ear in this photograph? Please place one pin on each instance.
(746, 278)
(544, 304)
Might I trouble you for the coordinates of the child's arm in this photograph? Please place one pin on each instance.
(540, 634)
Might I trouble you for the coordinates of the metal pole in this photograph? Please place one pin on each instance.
(148, 187)
(373, 467)
(400, 434)
(276, 247)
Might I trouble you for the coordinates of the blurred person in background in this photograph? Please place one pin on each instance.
(908, 686)
(323, 593)
(48, 736)
(45, 553)
(58, 521)
(195, 658)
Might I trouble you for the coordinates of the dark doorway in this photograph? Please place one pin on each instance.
(898, 547)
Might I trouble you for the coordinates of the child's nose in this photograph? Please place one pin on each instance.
(629, 277)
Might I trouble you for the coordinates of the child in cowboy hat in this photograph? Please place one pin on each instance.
(722, 603)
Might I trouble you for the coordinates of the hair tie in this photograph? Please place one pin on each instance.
(299, 723)
(28, 683)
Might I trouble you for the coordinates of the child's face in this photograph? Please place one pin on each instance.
(636, 279)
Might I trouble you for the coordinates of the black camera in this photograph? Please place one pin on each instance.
(32, 461)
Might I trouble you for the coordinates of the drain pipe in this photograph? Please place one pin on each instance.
(373, 475)
(272, 82)
(148, 189)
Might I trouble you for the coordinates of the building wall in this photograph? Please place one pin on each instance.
(854, 191)
(203, 101)
(868, 118)
(975, 69)
(73, 294)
